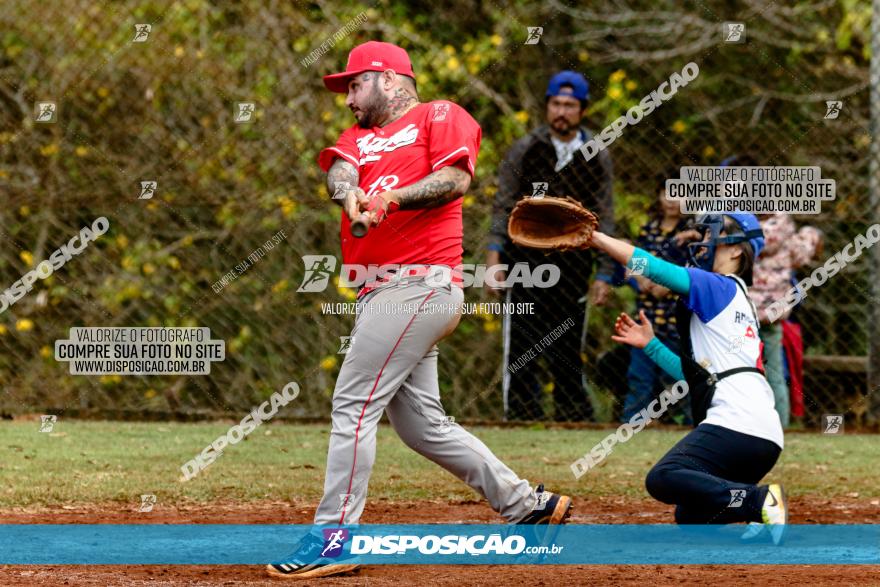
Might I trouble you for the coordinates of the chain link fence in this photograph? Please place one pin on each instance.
(196, 137)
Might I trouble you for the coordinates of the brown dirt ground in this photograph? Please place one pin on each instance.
(590, 511)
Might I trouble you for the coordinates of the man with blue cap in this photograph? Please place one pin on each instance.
(547, 162)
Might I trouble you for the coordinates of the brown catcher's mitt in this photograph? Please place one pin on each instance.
(559, 224)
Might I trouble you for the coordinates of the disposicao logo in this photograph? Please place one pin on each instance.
(334, 539)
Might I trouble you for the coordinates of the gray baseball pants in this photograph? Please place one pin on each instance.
(392, 367)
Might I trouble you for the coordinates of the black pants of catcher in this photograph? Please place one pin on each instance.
(711, 475)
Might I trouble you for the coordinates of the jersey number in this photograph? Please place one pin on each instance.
(385, 183)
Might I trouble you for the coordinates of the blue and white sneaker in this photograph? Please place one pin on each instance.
(309, 562)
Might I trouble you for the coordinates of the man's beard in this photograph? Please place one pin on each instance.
(562, 126)
(374, 108)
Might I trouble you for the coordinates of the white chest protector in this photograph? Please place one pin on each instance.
(723, 338)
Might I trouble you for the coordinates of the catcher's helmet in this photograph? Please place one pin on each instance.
(702, 254)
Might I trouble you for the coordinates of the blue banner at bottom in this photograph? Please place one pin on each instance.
(220, 544)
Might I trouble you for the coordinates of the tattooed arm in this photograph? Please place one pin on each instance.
(436, 189)
(343, 175)
(342, 172)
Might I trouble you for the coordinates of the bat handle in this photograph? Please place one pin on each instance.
(360, 225)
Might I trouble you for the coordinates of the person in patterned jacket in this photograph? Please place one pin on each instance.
(786, 249)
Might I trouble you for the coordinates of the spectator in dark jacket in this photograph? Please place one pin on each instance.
(548, 162)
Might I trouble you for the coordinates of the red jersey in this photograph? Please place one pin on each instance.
(427, 138)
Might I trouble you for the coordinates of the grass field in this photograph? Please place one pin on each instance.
(96, 462)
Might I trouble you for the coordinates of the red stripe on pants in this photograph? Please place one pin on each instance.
(370, 397)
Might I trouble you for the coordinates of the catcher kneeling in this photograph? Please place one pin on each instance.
(711, 475)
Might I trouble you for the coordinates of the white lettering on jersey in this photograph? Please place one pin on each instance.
(370, 144)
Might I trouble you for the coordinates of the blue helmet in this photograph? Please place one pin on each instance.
(702, 254)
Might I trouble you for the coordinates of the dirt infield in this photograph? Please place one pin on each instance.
(591, 511)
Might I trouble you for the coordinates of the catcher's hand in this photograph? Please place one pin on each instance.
(559, 224)
(636, 334)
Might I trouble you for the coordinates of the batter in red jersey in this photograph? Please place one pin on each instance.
(406, 164)
(433, 142)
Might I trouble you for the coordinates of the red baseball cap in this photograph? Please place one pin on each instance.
(370, 56)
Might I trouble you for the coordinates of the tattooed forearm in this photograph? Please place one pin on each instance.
(435, 189)
(342, 175)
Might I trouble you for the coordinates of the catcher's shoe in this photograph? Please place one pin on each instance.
(550, 508)
(307, 562)
(775, 512)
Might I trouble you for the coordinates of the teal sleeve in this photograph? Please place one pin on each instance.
(659, 271)
(664, 358)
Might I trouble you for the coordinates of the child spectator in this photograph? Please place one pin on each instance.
(663, 236)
